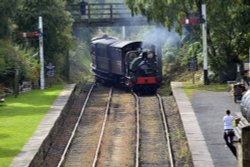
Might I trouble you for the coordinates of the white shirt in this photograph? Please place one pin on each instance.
(228, 121)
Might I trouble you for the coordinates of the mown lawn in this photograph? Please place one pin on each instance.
(189, 88)
(19, 117)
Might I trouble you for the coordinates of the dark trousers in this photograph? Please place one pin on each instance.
(229, 141)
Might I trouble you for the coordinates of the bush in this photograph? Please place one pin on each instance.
(13, 58)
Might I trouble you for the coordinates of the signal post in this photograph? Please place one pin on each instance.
(204, 41)
(39, 35)
(202, 21)
(40, 27)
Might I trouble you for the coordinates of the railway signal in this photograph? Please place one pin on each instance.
(193, 21)
(38, 34)
(34, 34)
(190, 21)
(202, 20)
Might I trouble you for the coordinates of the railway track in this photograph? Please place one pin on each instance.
(65, 126)
(153, 146)
(117, 148)
(83, 146)
(115, 128)
(104, 134)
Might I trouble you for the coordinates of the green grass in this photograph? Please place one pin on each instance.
(19, 117)
(189, 88)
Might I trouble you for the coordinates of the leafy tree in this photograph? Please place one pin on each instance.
(229, 38)
(12, 58)
(7, 12)
(227, 24)
(57, 28)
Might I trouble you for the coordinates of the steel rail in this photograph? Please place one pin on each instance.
(137, 156)
(166, 131)
(75, 127)
(103, 128)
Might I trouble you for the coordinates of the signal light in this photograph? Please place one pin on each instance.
(190, 21)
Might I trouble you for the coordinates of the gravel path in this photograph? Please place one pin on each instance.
(209, 108)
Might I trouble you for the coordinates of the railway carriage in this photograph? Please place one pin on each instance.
(131, 64)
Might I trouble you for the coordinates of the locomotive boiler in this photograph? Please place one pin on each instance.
(131, 64)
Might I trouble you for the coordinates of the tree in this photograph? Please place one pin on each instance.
(57, 28)
(7, 12)
(228, 36)
(12, 58)
(227, 22)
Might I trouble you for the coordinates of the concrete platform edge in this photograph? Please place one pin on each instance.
(30, 149)
(200, 155)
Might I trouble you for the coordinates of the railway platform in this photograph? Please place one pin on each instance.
(28, 152)
(202, 120)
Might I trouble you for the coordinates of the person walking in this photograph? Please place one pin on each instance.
(229, 131)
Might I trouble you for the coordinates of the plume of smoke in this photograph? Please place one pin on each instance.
(160, 37)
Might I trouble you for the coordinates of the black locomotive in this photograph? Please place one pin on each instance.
(131, 64)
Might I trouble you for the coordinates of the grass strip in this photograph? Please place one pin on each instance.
(19, 118)
(189, 87)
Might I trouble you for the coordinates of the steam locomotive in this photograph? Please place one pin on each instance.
(131, 64)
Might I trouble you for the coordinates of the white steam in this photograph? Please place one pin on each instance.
(160, 37)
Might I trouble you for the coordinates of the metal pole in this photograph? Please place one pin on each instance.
(204, 41)
(40, 27)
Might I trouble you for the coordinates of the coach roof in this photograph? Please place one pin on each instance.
(104, 41)
(122, 44)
